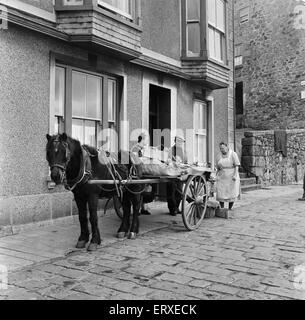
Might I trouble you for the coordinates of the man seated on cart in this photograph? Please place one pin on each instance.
(174, 188)
(149, 193)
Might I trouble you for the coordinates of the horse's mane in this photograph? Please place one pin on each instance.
(91, 150)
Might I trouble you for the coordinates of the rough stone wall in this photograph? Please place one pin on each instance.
(273, 50)
(271, 167)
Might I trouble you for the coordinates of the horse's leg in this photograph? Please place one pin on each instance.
(124, 227)
(81, 203)
(136, 204)
(96, 237)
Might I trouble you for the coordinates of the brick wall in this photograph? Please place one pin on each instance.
(273, 68)
(269, 166)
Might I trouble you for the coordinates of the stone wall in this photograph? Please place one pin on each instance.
(273, 70)
(270, 167)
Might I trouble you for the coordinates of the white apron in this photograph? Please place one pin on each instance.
(227, 190)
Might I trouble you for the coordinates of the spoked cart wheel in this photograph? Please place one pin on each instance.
(117, 204)
(194, 201)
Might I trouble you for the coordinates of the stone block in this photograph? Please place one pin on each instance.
(249, 134)
(248, 141)
(28, 209)
(5, 212)
(252, 151)
(61, 204)
(252, 161)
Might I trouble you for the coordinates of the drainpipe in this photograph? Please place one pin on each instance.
(234, 95)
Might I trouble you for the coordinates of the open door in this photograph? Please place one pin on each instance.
(160, 118)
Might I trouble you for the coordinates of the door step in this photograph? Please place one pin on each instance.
(250, 187)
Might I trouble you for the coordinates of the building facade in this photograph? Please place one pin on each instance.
(269, 64)
(87, 66)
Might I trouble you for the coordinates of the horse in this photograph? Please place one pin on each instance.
(74, 165)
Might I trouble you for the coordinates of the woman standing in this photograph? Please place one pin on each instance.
(227, 181)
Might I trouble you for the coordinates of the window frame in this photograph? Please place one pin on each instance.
(204, 34)
(130, 15)
(222, 33)
(67, 118)
(241, 16)
(201, 132)
(238, 57)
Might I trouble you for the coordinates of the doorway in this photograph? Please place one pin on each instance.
(160, 118)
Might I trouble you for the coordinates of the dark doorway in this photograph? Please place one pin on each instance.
(159, 115)
(239, 104)
(160, 118)
(239, 98)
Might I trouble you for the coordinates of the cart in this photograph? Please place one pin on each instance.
(196, 191)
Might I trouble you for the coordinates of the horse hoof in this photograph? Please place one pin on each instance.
(92, 247)
(81, 244)
(121, 235)
(132, 236)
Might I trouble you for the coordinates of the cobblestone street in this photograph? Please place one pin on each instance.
(251, 256)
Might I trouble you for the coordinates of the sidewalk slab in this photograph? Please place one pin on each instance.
(58, 240)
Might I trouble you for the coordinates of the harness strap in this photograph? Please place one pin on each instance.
(85, 172)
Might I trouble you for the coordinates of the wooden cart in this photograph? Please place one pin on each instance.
(195, 194)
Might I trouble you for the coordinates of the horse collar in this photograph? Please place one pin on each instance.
(84, 173)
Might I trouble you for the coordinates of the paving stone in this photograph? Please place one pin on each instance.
(223, 289)
(283, 292)
(94, 290)
(252, 257)
(174, 278)
(199, 283)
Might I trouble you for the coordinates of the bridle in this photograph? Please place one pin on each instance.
(62, 166)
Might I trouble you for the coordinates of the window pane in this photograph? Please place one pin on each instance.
(122, 5)
(196, 148)
(93, 97)
(244, 14)
(111, 100)
(211, 42)
(90, 137)
(238, 50)
(218, 54)
(220, 24)
(56, 125)
(193, 38)
(212, 12)
(78, 130)
(59, 91)
(196, 118)
(193, 9)
(202, 157)
(238, 61)
(78, 94)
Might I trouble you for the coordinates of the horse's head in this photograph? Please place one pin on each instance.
(58, 156)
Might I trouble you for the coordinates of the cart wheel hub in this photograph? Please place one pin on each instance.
(199, 200)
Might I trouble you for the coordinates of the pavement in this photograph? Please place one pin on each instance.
(258, 254)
